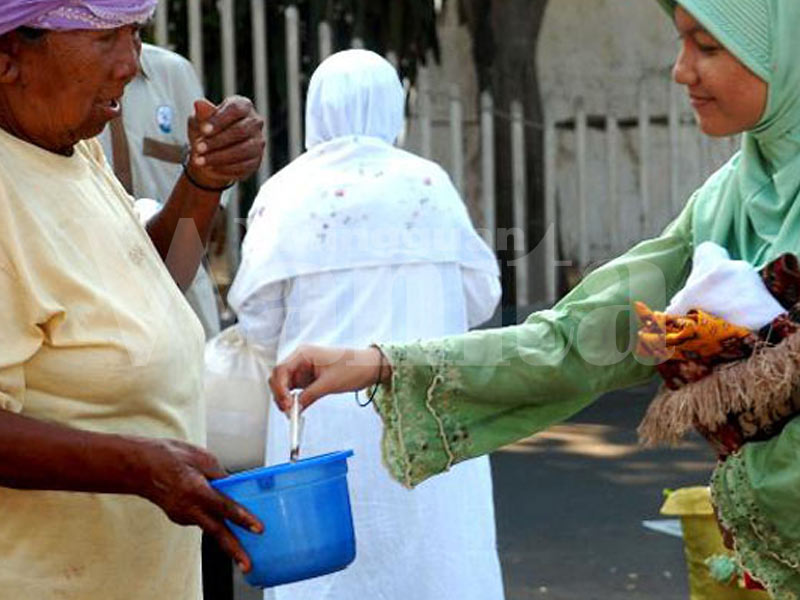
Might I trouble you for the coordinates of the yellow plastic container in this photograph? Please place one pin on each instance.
(702, 539)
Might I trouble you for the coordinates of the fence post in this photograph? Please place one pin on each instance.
(457, 137)
(425, 110)
(488, 168)
(550, 212)
(520, 197)
(162, 25)
(293, 80)
(261, 76)
(612, 164)
(325, 40)
(580, 152)
(228, 35)
(644, 159)
(705, 154)
(195, 36)
(674, 149)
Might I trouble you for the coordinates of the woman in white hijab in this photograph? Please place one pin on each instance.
(358, 242)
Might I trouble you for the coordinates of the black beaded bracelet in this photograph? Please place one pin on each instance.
(198, 185)
(373, 392)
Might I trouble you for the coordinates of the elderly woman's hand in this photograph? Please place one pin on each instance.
(322, 371)
(175, 477)
(226, 142)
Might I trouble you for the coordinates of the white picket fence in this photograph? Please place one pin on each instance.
(610, 180)
(618, 180)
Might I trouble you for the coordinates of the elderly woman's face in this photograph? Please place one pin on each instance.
(726, 96)
(67, 85)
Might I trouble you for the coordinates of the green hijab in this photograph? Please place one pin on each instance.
(750, 206)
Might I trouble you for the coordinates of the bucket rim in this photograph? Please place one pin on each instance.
(306, 463)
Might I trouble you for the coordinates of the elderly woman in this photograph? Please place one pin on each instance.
(445, 401)
(100, 356)
(360, 241)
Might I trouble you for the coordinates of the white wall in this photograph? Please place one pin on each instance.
(601, 48)
(607, 53)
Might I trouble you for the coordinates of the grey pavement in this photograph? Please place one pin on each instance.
(570, 503)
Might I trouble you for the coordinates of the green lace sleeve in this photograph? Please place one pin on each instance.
(757, 494)
(459, 397)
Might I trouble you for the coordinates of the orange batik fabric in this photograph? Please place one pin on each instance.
(731, 384)
(687, 347)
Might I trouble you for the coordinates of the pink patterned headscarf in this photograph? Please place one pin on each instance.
(66, 15)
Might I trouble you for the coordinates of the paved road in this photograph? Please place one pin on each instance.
(570, 503)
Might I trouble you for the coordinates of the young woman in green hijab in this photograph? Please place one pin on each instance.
(452, 399)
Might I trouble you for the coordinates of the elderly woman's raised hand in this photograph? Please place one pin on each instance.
(175, 477)
(226, 142)
(322, 371)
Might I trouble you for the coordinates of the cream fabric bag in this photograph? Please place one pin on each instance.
(237, 399)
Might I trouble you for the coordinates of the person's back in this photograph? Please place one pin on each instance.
(357, 242)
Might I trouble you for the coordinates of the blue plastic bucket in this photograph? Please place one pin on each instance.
(305, 509)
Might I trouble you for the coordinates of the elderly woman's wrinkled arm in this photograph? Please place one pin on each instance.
(226, 145)
(36, 455)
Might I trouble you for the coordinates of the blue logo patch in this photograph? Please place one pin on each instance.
(164, 118)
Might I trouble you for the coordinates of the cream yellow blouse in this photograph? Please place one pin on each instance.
(94, 334)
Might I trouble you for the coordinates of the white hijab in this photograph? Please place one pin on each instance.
(353, 200)
(355, 92)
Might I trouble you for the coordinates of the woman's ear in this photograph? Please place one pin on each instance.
(9, 58)
(9, 68)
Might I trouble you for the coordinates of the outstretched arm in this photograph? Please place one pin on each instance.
(35, 455)
(459, 397)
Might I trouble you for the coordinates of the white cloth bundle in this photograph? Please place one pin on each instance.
(729, 289)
